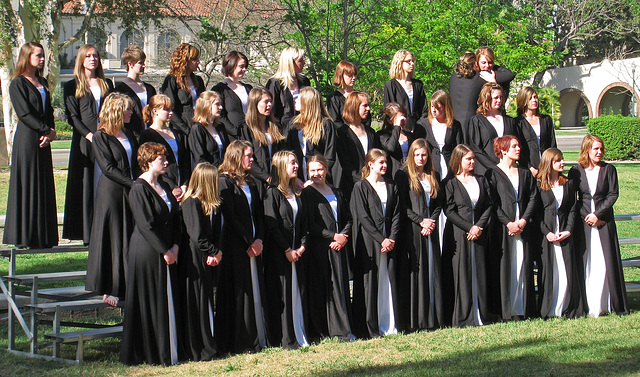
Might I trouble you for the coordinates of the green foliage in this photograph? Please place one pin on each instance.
(621, 135)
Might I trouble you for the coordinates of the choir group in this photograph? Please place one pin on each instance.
(237, 218)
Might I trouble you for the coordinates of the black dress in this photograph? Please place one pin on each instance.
(560, 217)
(371, 226)
(335, 107)
(285, 231)
(517, 290)
(112, 220)
(232, 114)
(183, 102)
(328, 283)
(283, 108)
(204, 148)
(352, 155)
(532, 149)
(389, 141)
(327, 147)
(32, 219)
(453, 136)
(418, 113)
(471, 296)
(419, 271)
(241, 284)
(197, 302)
(150, 334)
(82, 115)
(465, 92)
(178, 171)
(261, 167)
(136, 124)
(602, 200)
(480, 136)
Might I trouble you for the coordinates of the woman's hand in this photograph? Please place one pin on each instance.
(593, 220)
(513, 228)
(214, 260)
(89, 137)
(533, 171)
(255, 249)
(169, 257)
(474, 233)
(339, 240)
(291, 255)
(387, 245)
(488, 76)
(563, 236)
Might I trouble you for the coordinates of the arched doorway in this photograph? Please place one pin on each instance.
(616, 98)
(575, 108)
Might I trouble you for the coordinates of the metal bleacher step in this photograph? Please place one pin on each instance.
(65, 293)
(50, 307)
(633, 287)
(88, 334)
(27, 279)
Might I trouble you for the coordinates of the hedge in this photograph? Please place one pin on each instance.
(621, 135)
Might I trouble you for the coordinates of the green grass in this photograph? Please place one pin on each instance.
(59, 176)
(61, 144)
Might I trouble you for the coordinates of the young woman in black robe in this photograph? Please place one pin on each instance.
(375, 209)
(515, 198)
(150, 334)
(183, 87)
(312, 132)
(537, 129)
(241, 300)
(158, 114)
(83, 96)
(284, 253)
(208, 137)
(285, 86)
(115, 148)
(443, 132)
(32, 219)
(355, 140)
(469, 216)
(329, 221)
(489, 123)
(202, 220)
(408, 91)
(598, 237)
(234, 94)
(344, 78)
(422, 199)
(559, 287)
(263, 132)
(394, 137)
(139, 91)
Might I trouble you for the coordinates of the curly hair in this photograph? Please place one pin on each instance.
(179, 60)
(148, 152)
(484, 99)
(396, 71)
(464, 66)
(112, 112)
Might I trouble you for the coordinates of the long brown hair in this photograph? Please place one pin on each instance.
(82, 88)
(22, 66)
(547, 159)
(203, 185)
(484, 99)
(312, 115)
(351, 111)
(455, 161)
(179, 60)
(412, 169)
(372, 156)
(232, 162)
(522, 100)
(279, 176)
(583, 158)
(112, 112)
(440, 98)
(251, 118)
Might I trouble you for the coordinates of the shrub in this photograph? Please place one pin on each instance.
(63, 130)
(621, 135)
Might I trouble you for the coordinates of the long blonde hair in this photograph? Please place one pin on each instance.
(82, 88)
(112, 113)
(203, 185)
(396, 71)
(312, 115)
(547, 159)
(202, 111)
(158, 101)
(412, 169)
(251, 118)
(583, 158)
(286, 72)
(232, 162)
(440, 98)
(279, 176)
(372, 156)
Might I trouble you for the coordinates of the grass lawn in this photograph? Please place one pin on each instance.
(61, 144)
(59, 176)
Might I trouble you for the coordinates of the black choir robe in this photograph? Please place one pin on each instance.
(418, 313)
(136, 124)
(394, 92)
(112, 218)
(82, 116)
(389, 142)
(183, 103)
(370, 227)
(178, 172)
(480, 136)
(237, 331)
(452, 138)
(327, 147)
(232, 115)
(461, 216)
(283, 108)
(204, 148)
(531, 149)
(284, 232)
(146, 334)
(465, 92)
(261, 168)
(198, 279)
(604, 198)
(504, 203)
(335, 107)
(352, 156)
(31, 219)
(328, 284)
(564, 218)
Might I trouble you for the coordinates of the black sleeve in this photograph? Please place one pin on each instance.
(196, 222)
(143, 215)
(25, 110)
(107, 161)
